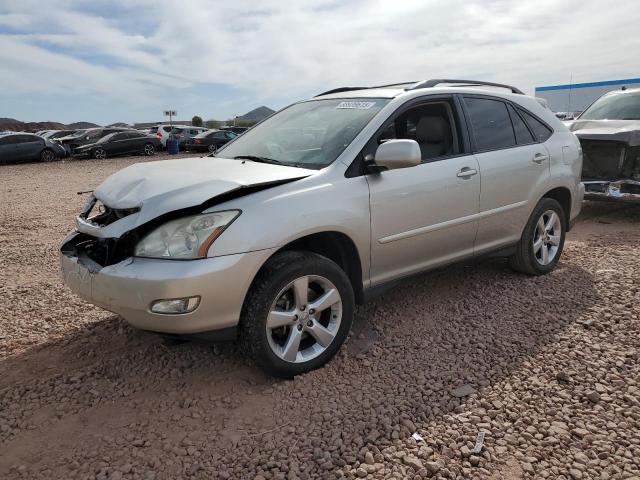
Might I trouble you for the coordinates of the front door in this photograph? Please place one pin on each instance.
(424, 216)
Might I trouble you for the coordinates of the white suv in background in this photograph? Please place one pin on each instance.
(278, 237)
(163, 132)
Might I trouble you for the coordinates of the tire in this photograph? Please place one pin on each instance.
(148, 149)
(273, 319)
(99, 153)
(544, 232)
(47, 155)
(212, 148)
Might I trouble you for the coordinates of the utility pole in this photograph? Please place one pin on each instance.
(170, 114)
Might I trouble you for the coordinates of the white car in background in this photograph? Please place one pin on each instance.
(163, 132)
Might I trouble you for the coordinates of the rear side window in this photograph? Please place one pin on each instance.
(26, 138)
(523, 135)
(9, 140)
(539, 129)
(153, 130)
(491, 124)
(167, 129)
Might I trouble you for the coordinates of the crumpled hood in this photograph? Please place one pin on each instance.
(164, 186)
(627, 131)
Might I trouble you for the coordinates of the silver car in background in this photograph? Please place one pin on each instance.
(277, 238)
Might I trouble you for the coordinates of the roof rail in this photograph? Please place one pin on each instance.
(339, 90)
(427, 84)
(439, 81)
(349, 89)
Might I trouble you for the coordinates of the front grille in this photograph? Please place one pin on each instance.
(602, 160)
(101, 252)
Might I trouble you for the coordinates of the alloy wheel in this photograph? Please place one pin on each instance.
(100, 153)
(546, 237)
(148, 149)
(213, 148)
(304, 319)
(47, 156)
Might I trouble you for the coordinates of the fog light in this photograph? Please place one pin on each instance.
(175, 305)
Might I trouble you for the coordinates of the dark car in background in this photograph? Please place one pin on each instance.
(121, 143)
(24, 147)
(53, 134)
(209, 141)
(85, 137)
(236, 130)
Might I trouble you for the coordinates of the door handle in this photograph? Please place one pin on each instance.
(467, 172)
(540, 157)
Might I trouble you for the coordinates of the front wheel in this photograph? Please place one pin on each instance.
(542, 241)
(297, 314)
(100, 153)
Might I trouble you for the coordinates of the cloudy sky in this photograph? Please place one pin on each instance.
(107, 61)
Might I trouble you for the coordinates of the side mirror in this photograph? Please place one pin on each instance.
(397, 154)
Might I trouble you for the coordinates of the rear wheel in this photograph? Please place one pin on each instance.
(212, 148)
(99, 153)
(297, 313)
(542, 241)
(47, 155)
(148, 149)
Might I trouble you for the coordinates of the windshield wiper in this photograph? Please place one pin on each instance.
(255, 158)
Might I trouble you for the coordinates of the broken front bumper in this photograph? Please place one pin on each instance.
(129, 287)
(622, 190)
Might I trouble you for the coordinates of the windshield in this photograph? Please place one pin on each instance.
(619, 106)
(309, 134)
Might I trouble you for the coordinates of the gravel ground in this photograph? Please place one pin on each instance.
(548, 367)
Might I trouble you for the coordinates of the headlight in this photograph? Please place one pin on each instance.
(184, 238)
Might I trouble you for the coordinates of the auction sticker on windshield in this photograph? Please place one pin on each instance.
(356, 105)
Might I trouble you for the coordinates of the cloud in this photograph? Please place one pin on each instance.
(251, 53)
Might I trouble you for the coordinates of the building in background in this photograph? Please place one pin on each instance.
(576, 97)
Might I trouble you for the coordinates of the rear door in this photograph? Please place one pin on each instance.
(8, 151)
(513, 165)
(133, 142)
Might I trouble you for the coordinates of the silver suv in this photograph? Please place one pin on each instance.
(278, 236)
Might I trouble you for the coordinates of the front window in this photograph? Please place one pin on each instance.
(309, 134)
(107, 138)
(619, 106)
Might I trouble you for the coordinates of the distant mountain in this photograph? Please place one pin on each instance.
(257, 114)
(13, 125)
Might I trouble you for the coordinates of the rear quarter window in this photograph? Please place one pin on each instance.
(523, 135)
(491, 123)
(539, 129)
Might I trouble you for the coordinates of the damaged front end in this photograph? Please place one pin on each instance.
(611, 161)
(140, 198)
